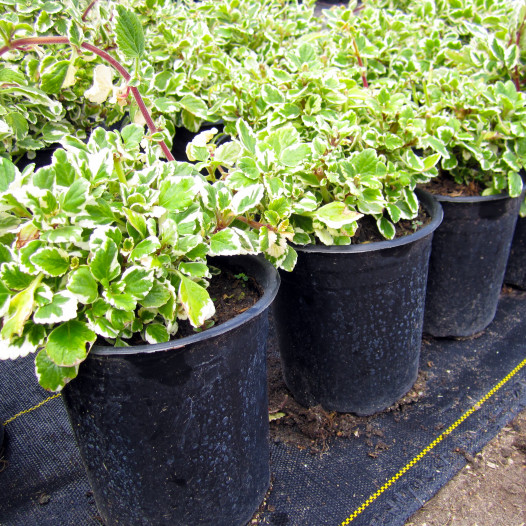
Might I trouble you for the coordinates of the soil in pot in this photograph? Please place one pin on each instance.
(468, 260)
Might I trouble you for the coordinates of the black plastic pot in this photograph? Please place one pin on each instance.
(177, 433)
(516, 269)
(349, 320)
(468, 260)
(42, 157)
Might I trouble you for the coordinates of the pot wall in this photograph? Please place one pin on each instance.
(516, 269)
(350, 320)
(178, 434)
(468, 260)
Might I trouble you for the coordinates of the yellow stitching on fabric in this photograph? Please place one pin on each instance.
(31, 409)
(435, 442)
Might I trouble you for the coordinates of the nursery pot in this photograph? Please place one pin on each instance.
(468, 260)
(516, 269)
(177, 433)
(349, 320)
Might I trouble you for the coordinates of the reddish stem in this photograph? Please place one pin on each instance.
(360, 63)
(516, 79)
(255, 224)
(88, 9)
(22, 42)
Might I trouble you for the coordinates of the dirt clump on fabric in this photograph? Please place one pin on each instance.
(311, 428)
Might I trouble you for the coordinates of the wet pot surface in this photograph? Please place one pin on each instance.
(177, 433)
(467, 265)
(350, 321)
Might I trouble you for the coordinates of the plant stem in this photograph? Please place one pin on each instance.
(88, 9)
(360, 63)
(22, 43)
(255, 224)
(120, 172)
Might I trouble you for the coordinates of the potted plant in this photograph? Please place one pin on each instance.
(103, 256)
(335, 156)
(454, 60)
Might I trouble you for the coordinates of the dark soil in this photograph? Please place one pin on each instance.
(231, 293)
(367, 231)
(443, 185)
(312, 428)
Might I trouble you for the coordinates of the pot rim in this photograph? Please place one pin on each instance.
(473, 198)
(269, 293)
(432, 207)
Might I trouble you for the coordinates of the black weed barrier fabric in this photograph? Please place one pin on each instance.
(42, 480)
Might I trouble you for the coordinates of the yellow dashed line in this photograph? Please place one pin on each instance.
(435, 442)
(31, 409)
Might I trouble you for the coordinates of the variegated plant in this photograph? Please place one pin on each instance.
(48, 92)
(107, 242)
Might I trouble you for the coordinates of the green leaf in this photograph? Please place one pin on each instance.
(53, 78)
(7, 173)
(295, 154)
(4, 297)
(66, 344)
(195, 106)
(272, 95)
(247, 198)
(130, 36)
(19, 310)
(414, 162)
(145, 248)
(157, 296)
(137, 221)
(138, 282)
(65, 234)
(13, 277)
(289, 262)
(365, 162)
(132, 135)
(83, 285)
(156, 333)
(228, 153)
(75, 197)
(195, 301)
(438, 145)
(246, 134)
(18, 123)
(177, 195)
(392, 142)
(63, 307)
(52, 261)
(514, 184)
(50, 375)
(226, 242)
(430, 161)
(195, 269)
(105, 265)
(385, 227)
(336, 215)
